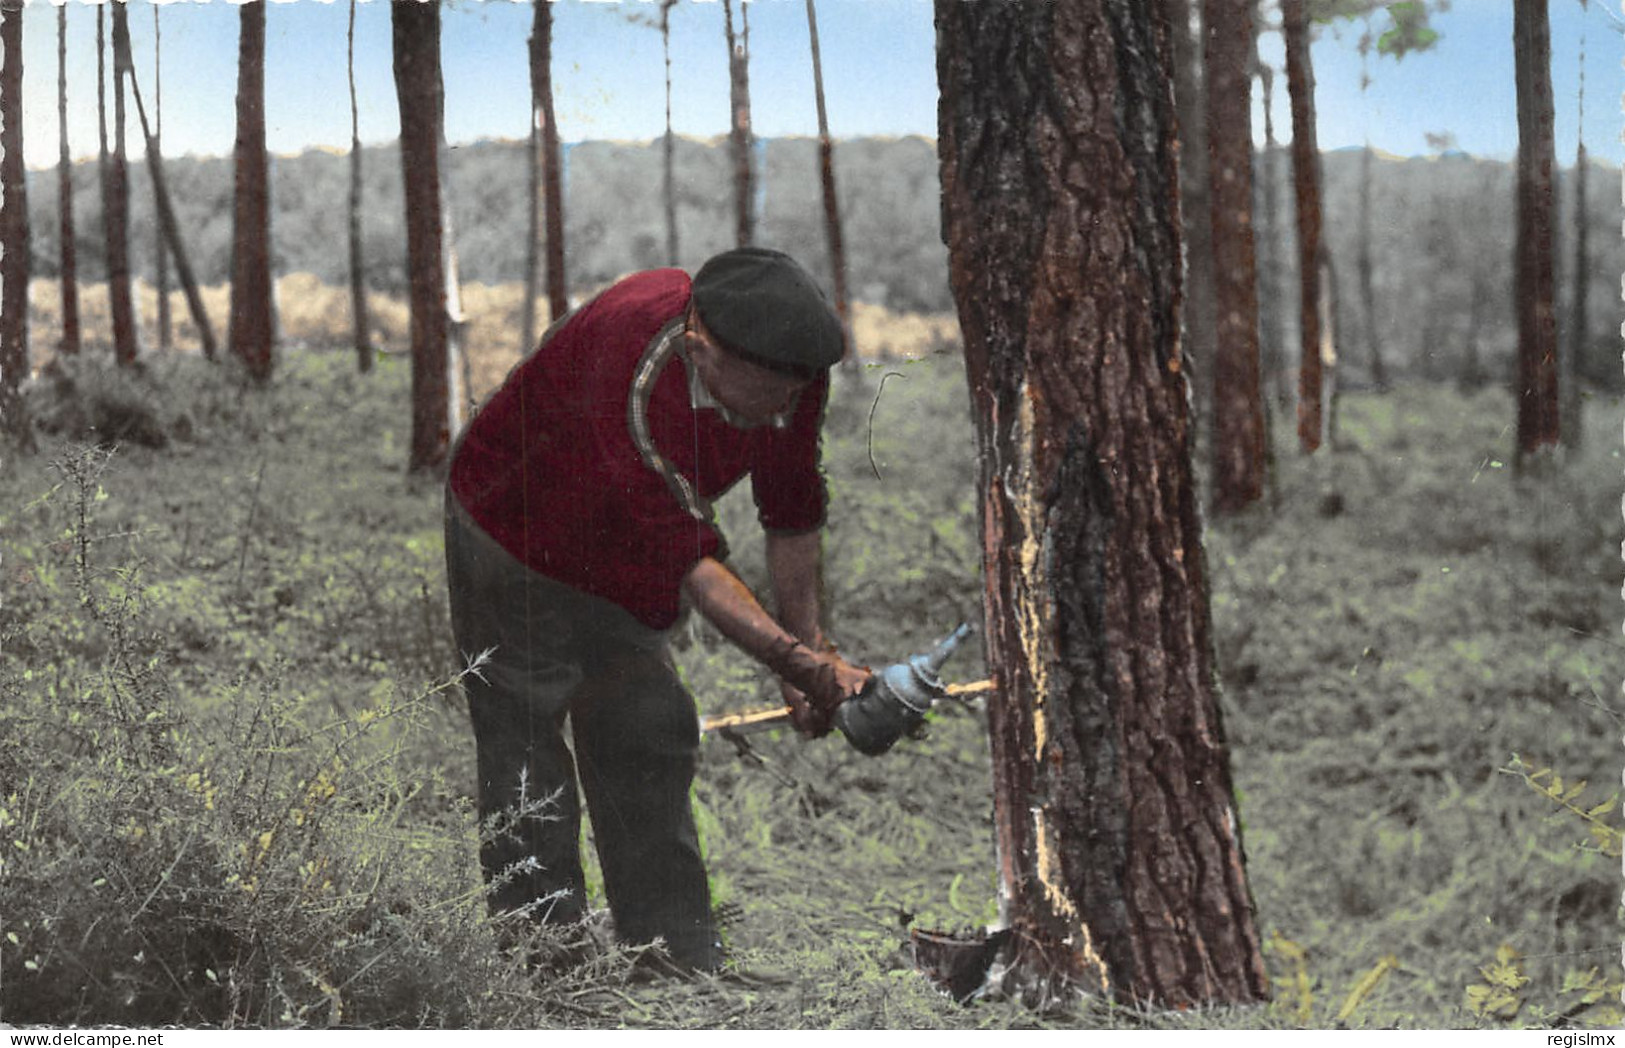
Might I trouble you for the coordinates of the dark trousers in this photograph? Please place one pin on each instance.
(558, 654)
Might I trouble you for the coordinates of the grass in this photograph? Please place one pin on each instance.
(237, 777)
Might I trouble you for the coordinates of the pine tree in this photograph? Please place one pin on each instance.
(250, 331)
(1120, 859)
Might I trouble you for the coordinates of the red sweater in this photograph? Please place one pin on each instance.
(553, 467)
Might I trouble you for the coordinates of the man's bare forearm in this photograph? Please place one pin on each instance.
(726, 602)
(794, 564)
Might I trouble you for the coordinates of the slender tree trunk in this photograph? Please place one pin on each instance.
(1267, 262)
(1368, 291)
(170, 227)
(459, 372)
(1579, 303)
(669, 184)
(1471, 376)
(1271, 286)
(739, 135)
(70, 344)
(1535, 278)
(121, 295)
(1120, 861)
(14, 233)
(1201, 305)
(541, 85)
(160, 253)
(416, 34)
(1238, 407)
(360, 328)
(832, 207)
(1306, 182)
(1330, 341)
(533, 231)
(104, 160)
(1579, 315)
(250, 333)
(1363, 261)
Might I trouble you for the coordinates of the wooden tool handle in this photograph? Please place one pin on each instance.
(764, 720)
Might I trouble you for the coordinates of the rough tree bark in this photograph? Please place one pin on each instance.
(415, 29)
(120, 293)
(70, 344)
(249, 332)
(160, 255)
(1300, 81)
(1535, 289)
(739, 135)
(1238, 406)
(541, 86)
(1121, 867)
(832, 207)
(14, 247)
(359, 326)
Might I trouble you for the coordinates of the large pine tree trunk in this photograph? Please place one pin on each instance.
(70, 344)
(1238, 406)
(739, 135)
(416, 33)
(121, 296)
(1536, 283)
(1120, 860)
(250, 331)
(832, 207)
(1300, 80)
(541, 85)
(14, 246)
(358, 272)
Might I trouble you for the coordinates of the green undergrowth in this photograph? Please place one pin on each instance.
(236, 773)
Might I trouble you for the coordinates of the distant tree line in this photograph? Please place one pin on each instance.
(1439, 243)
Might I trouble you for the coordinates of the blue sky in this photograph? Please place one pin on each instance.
(879, 71)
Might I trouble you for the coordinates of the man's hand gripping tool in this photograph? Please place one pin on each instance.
(893, 704)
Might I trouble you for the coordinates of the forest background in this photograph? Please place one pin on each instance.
(1441, 231)
(237, 774)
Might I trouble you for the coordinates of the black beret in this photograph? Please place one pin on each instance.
(763, 306)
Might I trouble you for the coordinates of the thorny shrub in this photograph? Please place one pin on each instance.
(250, 860)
